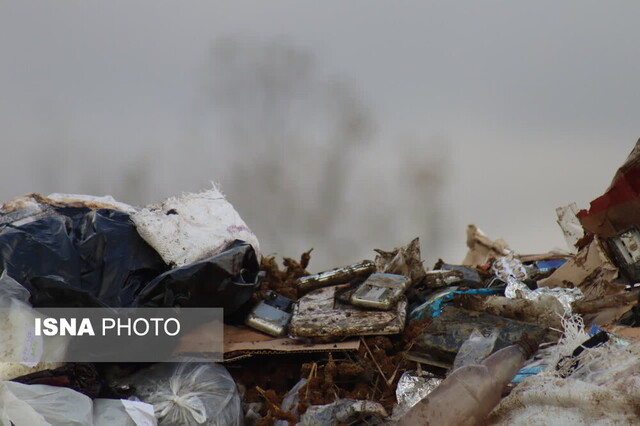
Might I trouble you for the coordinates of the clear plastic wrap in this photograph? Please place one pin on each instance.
(20, 349)
(476, 348)
(190, 394)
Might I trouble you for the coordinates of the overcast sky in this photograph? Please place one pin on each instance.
(537, 104)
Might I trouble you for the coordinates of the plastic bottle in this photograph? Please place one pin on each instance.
(469, 394)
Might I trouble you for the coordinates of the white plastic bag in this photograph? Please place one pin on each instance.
(42, 405)
(193, 227)
(19, 342)
(122, 412)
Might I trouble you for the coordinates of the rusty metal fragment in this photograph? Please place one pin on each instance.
(343, 275)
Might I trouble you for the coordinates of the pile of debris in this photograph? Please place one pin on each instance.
(501, 338)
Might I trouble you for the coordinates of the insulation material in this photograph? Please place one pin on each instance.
(193, 227)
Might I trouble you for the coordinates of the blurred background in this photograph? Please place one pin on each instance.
(342, 126)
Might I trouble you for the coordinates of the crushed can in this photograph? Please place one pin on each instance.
(380, 291)
(344, 275)
(272, 315)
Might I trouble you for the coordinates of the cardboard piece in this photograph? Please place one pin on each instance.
(240, 341)
(481, 248)
(630, 332)
(590, 270)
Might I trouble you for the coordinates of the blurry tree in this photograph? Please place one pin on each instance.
(296, 155)
(290, 133)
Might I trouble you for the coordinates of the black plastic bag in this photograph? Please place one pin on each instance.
(226, 280)
(81, 257)
(78, 257)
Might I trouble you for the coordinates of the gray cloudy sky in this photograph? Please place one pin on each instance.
(534, 104)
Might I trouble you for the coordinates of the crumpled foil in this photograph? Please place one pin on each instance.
(412, 388)
(516, 288)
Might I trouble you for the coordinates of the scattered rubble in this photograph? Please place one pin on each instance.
(536, 338)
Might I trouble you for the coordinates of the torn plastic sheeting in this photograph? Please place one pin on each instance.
(446, 333)
(193, 227)
(402, 261)
(41, 405)
(226, 280)
(476, 348)
(77, 257)
(291, 401)
(435, 306)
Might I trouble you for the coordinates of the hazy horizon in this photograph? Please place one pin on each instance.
(400, 120)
